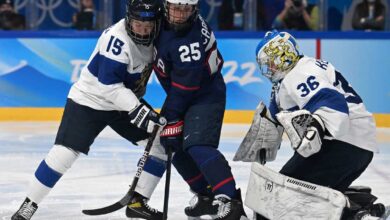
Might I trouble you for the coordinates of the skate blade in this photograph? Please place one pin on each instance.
(386, 216)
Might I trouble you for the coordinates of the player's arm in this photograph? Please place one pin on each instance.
(323, 110)
(186, 76)
(317, 94)
(184, 84)
(110, 67)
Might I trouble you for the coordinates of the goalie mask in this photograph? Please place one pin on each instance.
(181, 14)
(277, 54)
(142, 20)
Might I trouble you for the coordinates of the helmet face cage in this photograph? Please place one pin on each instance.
(143, 10)
(277, 55)
(181, 26)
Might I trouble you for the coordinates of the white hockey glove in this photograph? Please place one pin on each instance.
(263, 139)
(305, 131)
(145, 118)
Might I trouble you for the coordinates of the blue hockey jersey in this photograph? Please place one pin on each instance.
(188, 67)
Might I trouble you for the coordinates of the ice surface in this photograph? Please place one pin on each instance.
(102, 177)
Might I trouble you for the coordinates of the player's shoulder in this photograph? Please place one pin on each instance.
(114, 43)
(311, 63)
(304, 70)
(116, 32)
(201, 31)
(197, 41)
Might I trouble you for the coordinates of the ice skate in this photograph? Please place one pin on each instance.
(26, 210)
(201, 205)
(138, 208)
(229, 209)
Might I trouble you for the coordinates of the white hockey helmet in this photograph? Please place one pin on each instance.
(183, 20)
(276, 54)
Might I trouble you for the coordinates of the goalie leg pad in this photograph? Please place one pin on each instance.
(276, 196)
(263, 134)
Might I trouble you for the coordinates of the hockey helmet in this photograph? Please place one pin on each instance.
(181, 14)
(143, 10)
(276, 54)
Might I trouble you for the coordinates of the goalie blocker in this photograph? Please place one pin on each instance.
(264, 135)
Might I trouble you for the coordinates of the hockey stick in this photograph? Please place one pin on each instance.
(129, 195)
(167, 184)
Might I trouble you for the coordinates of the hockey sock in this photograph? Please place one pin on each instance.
(154, 169)
(190, 172)
(57, 162)
(215, 168)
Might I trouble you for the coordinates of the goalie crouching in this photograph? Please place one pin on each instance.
(331, 131)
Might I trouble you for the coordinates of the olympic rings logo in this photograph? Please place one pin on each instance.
(46, 8)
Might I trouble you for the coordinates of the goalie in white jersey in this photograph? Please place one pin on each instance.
(108, 93)
(331, 131)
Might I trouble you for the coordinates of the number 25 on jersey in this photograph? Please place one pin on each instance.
(190, 53)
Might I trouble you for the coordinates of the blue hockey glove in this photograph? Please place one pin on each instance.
(172, 135)
(145, 118)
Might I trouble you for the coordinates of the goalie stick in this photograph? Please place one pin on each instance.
(129, 195)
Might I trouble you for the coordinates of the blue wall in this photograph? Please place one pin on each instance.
(38, 68)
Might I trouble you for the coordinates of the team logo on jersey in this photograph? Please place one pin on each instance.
(140, 84)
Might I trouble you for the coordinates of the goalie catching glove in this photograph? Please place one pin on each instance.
(305, 131)
(145, 118)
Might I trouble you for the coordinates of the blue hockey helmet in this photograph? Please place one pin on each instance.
(143, 10)
(276, 54)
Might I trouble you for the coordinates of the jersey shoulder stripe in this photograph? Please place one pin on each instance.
(327, 98)
(107, 71)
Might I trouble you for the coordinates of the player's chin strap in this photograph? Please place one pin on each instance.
(305, 130)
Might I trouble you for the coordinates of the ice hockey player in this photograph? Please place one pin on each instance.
(108, 93)
(331, 131)
(188, 66)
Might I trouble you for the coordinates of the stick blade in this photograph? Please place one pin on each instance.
(105, 210)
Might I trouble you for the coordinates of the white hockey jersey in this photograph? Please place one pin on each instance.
(116, 74)
(316, 86)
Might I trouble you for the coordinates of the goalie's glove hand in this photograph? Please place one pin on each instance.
(145, 118)
(172, 135)
(312, 140)
(305, 131)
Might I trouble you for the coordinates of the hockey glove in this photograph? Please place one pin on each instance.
(172, 135)
(145, 118)
(305, 131)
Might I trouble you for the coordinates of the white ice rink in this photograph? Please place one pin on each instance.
(103, 177)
